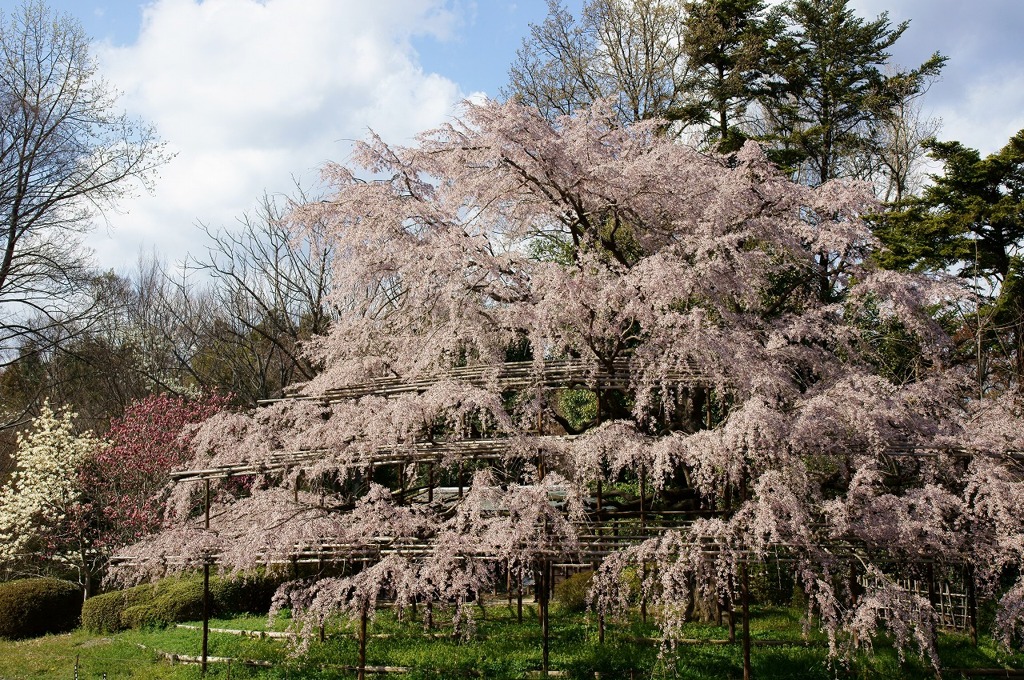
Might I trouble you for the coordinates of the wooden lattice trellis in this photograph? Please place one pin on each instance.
(604, 531)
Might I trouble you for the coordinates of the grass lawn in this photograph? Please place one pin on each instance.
(500, 648)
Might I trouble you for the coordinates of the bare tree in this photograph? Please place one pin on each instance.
(897, 154)
(270, 284)
(67, 154)
(628, 50)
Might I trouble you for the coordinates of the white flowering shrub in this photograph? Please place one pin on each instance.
(39, 511)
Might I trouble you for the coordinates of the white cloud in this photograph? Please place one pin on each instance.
(249, 93)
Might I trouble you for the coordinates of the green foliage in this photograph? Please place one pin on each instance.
(102, 613)
(502, 649)
(971, 217)
(243, 593)
(178, 599)
(726, 42)
(37, 606)
(172, 600)
(969, 220)
(578, 407)
(831, 87)
(571, 594)
(772, 583)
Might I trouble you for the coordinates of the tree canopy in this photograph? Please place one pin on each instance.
(684, 288)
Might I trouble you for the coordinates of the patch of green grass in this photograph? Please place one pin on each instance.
(500, 648)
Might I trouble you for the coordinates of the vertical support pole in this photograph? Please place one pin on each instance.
(430, 483)
(643, 598)
(934, 601)
(545, 571)
(206, 584)
(460, 478)
(600, 628)
(362, 644)
(972, 604)
(745, 596)
(519, 598)
(599, 494)
(206, 613)
(730, 605)
(643, 509)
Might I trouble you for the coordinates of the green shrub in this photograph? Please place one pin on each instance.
(36, 606)
(243, 593)
(102, 613)
(571, 594)
(177, 599)
(173, 600)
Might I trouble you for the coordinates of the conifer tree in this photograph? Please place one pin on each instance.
(831, 87)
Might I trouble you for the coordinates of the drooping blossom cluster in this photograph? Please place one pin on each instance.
(806, 403)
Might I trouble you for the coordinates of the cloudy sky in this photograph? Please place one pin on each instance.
(251, 94)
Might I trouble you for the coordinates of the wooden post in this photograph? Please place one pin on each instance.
(460, 478)
(643, 599)
(362, 643)
(206, 613)
(643, 515)
(935, 602)
(544, 627)
(206, 584)
(519, 598)
(745, 597)
(430, 483)
(599, 490)
(600, 628)
(972, 604)
(730, 608)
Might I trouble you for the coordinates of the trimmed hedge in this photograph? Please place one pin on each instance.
(571, 594)
(37, 606)
(177, 599)
(243, 593)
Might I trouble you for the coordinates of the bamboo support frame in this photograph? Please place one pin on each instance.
(603, 537)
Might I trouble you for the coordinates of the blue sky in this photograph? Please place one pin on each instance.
(252, 93)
